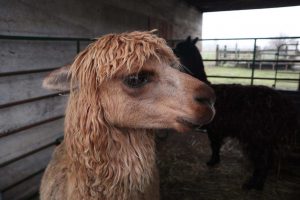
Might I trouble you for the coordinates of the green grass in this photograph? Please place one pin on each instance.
(246, 72)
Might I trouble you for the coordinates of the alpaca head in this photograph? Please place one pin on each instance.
(191, 58)
(186, 47)
(132, 81)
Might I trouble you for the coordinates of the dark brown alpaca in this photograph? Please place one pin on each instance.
(262, 119)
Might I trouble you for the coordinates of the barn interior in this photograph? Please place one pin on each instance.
(37, 37)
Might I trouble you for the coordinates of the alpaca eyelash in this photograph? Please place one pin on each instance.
(138, 80)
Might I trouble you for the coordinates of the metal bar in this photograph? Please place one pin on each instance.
(253, 62)
(249, 77)
(288, 72)
(258, 38)
(235, 60)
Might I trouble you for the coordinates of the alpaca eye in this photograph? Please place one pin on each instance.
(136, 80)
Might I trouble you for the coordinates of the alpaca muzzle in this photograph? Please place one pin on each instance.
(206, 95)
(206, 98)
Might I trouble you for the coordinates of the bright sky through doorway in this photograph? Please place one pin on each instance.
(271, 22)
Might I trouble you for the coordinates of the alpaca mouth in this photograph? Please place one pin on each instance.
(192, 124)
(189, 123)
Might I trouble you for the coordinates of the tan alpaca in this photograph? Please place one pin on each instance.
(124, 87)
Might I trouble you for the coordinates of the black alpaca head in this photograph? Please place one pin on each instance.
(191, 58)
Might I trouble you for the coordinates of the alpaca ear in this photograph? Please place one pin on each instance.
(188, 39)
(194, 41)
(58, 79)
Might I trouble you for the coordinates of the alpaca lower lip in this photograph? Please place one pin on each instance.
(188, 123)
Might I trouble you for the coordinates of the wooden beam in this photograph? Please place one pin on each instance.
(22, 87)
(32, 55)
(24, 190)
(26, 141)
(18, 171)
(18, 116)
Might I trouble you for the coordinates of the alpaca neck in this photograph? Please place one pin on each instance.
(114, 163)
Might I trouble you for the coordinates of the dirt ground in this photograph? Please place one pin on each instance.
(184, 175)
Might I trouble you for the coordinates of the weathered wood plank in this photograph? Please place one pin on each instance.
(32, 55)
(25, 167)
(22, 87)
(35, 197)
(18, 116)
(23, 190)
(26, 141)
(84, 44)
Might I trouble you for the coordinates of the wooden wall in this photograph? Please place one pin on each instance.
(31, 118)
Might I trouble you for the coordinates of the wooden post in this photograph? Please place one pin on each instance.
(217, 55)
(299, 83)
(236, 54)
(225, 54)
(253, 62)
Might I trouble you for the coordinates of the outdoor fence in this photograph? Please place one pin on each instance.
(287, 53)
(283, 58)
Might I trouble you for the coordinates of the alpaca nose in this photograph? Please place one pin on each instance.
(203, 100)
(206, 95)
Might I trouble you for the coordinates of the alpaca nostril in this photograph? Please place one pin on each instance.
(204, 100)
(206, 95)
